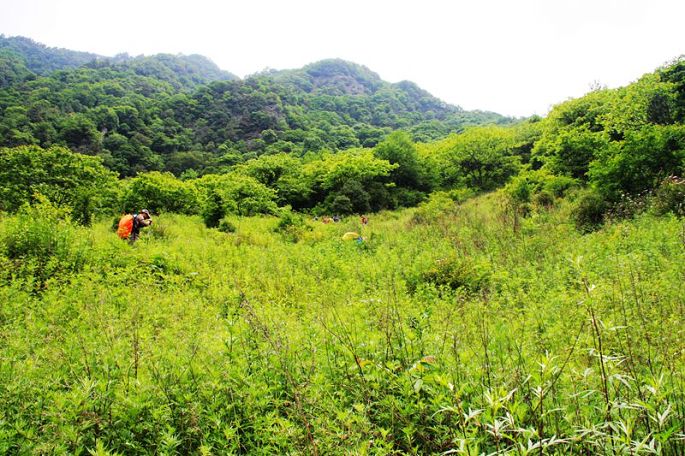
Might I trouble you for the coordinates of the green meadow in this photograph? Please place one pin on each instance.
(450, 329)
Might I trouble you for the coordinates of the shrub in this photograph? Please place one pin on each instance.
(161, 192)
(41, 242)
(405, 197)
(77, 182)
(439, 204)
(588, 212)
(213, 210)
(291, 225)
(453, 273)
(628, 206)
(459, 195)
(544, 199)
(233, 194)
(157, 230)
(227, 226)
(640, 162)
(519, 189)
(526, 187)
(559, 185)
(339, 204)
(670, 197)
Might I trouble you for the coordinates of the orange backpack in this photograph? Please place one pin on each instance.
(125, 226)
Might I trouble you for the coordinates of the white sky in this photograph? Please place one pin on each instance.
(513, 57)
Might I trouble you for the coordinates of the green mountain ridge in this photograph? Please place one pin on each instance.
(181, 71)
(41, 59)
(175, 113)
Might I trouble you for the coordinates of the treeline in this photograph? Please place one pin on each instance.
(622, 145)
(625, 145)
(182, 114)
(324, 139)
(396, 173)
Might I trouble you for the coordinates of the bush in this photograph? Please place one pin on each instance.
(339, 204)
(588, 212)
(213, 210)
(526, 187)
(161, 192)
(628, 206)
(157, 230)
(453, 273)
(559, 185)
(544, 199)
(519, 189)
(670, 197)
(439, 204)
(459, 195)
(291, 225)
(77, 182)
(233, 194)
(227, 226)
(41, 243)
(640, 162)
(405, 197)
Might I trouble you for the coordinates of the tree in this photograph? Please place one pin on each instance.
(640, 162)
(282, 173)
(481, 158)
(234, 193)
(78, 182)
(570, 151)
(79, 133)
(160, 192)
(398, 149)
(351, 174)
(12, 69)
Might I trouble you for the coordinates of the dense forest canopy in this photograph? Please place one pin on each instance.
(175, 113)
(331, 137)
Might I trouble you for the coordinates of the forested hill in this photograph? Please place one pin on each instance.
(181, 71)
(176, 113)
(41, 59)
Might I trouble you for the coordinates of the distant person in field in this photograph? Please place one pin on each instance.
(131, 224)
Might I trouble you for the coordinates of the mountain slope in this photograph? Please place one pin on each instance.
(41, 59)
(168, 112)
(181, 71)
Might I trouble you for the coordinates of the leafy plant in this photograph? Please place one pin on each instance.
(670, 197)
(589, 211)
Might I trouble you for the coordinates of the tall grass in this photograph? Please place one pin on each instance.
(450, 329)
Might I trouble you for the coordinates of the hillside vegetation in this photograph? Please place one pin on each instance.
(518, 289)
(294, 138)
(175, 113)
(450, 328)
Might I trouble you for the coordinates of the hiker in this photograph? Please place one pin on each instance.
(130, 225)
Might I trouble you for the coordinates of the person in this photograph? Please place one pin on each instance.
(130, 225)
(140, 220)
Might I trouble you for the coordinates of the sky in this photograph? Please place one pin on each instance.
(517, 58)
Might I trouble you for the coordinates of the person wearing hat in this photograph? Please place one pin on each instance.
(140, 220)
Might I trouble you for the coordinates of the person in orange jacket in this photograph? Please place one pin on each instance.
(131, 224)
